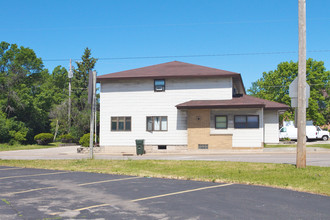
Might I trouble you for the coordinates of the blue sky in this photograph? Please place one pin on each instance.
(60, 30)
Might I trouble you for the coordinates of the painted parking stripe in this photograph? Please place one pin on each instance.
(150, 197)
(12, 168)
(181, 192)
(41, 174)
(83, 184)
(25, 191)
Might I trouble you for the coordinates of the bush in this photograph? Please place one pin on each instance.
(66, 138)
(84, 140)
(11, 130)
(44, 138)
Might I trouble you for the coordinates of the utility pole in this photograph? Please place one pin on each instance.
(92, 102)
(95, 113)
(70, 75)
(301, 143)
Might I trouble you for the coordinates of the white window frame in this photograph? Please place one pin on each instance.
(161, 126)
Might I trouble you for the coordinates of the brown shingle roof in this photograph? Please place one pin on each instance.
(244, 101)
(168, 70)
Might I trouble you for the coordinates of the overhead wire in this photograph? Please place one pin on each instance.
(192, 55)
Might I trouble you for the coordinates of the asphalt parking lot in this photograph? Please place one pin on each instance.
(49, 194)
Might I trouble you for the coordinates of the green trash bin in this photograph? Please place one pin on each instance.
(139, 147)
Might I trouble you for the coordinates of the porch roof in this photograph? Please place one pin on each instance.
(244, 101)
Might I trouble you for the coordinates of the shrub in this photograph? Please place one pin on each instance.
(66, 138)
(44, 138)
(11, 130)
(84, 140)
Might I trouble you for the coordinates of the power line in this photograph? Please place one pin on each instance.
(157, 25)
(288, 85)
(196, 55)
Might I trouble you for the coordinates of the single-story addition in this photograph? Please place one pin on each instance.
(178, 106)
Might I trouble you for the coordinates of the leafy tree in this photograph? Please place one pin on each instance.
(274, 86)
(59, 111)
(12, 131)
(60, 82)
(30, 96)
(23, 97)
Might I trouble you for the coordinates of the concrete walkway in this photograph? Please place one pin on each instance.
(55, 153)
(315, 156)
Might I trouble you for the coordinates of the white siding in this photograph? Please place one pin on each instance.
(271, 127)
(242, 137)
(136, 98)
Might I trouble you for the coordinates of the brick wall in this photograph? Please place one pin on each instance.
(199, 132)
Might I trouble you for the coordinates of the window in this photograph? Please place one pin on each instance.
(159, 85)
(246, 121)
(221, 122)
(157, 123)
(120, 123)
(203, 146)
(162, 147)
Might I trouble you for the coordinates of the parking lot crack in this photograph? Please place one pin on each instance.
(18, 213)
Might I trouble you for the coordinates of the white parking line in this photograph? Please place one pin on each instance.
(150, 197)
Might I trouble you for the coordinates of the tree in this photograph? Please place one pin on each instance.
(80, 110)
(30, 96)
(80, 79)
(12, 131)
(274, 86)
(23, 97)
(60, 82)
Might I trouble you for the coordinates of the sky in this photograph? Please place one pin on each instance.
(248, 37)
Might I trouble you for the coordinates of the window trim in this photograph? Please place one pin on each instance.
(117, 125)
(215, 121)
(163, 89)
(246, 121)
(160, 125)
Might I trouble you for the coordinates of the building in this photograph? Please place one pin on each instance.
(178, 106)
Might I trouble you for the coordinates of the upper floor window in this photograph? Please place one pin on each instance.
(221, 122)
(246, 121)
(121, 123)
(159, 85)
(157, 123)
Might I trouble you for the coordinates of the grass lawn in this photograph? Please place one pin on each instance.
(311, 179)
(7, 147)
(294, 145)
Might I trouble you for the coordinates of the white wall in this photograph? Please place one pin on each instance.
(136, 98)
(242, 137)
(271, 127)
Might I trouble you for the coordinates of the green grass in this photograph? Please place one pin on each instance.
(322, 145)
(311, 179)
(7, 147)
(294, 145)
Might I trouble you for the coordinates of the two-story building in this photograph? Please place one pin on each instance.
(178, 106)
